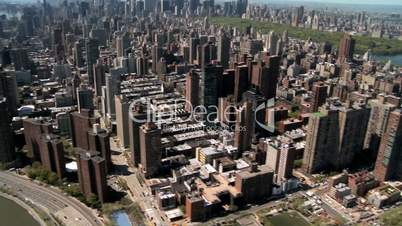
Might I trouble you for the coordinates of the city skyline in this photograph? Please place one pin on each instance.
(358, 2)
(198, 112)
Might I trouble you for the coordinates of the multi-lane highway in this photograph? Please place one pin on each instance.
(53, 201)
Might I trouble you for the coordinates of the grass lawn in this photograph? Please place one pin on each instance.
(288, 219)
(392, 217)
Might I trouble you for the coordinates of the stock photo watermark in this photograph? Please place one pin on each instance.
(144, 110)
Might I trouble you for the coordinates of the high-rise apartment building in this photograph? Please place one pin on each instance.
(157, 53)
(194, 42)
(7, 152)
(100, 35)
(271, 43)
(150, 147)
(92, 50)
(122, 119)
(206, 53)
(81, 123)
(224, 50)
(210, 84)
(241, 81)
(346, 48)
(297, 15)
(84, 98)
(255, 183)
(139, 117)
(244, 129)
(269, 77)
(99, 77)
(335, 135)
(192, 89)
(99, 140)
(91, 174)
(19, 56)
(8, 89)
(380, 112)
(78, 55)
(264, 76)
(389, 160)
(33, 130)
(281, 154)
(57, 37)
(320, 93)
(195, 207)
(52, 154)
(112, 89)
(122, 44)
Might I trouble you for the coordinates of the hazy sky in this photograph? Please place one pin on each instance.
(371, 2)
(377, 2)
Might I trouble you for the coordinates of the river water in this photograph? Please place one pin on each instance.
(12, 214)
(395, 59)
(121, 218)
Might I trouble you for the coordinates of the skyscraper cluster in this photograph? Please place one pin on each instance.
(211, 115)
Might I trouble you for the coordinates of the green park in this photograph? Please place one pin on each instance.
(379, 46)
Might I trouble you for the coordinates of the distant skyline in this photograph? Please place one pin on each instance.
(359, 2)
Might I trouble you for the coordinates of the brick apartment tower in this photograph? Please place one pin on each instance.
(52, 154)
(255, 183)
(99, 77)
(244, 129)
(334, 137)
(192, 90)
(99, 140)
(223, 49)
(241, 81)
(269, 77)
(286, 160)
(92, 174)
(122, 104)
(150, 147)
(195, 208)
(8, 89)
(319, 95)
(81, 123)
(346, 48)
(33, 130)
(139, 117)
(389, 160)
(380, 111)
(227, 84)
(7, 153)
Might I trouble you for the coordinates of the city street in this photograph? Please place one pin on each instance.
(138, 192)
(67, 209)
(254, 209)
